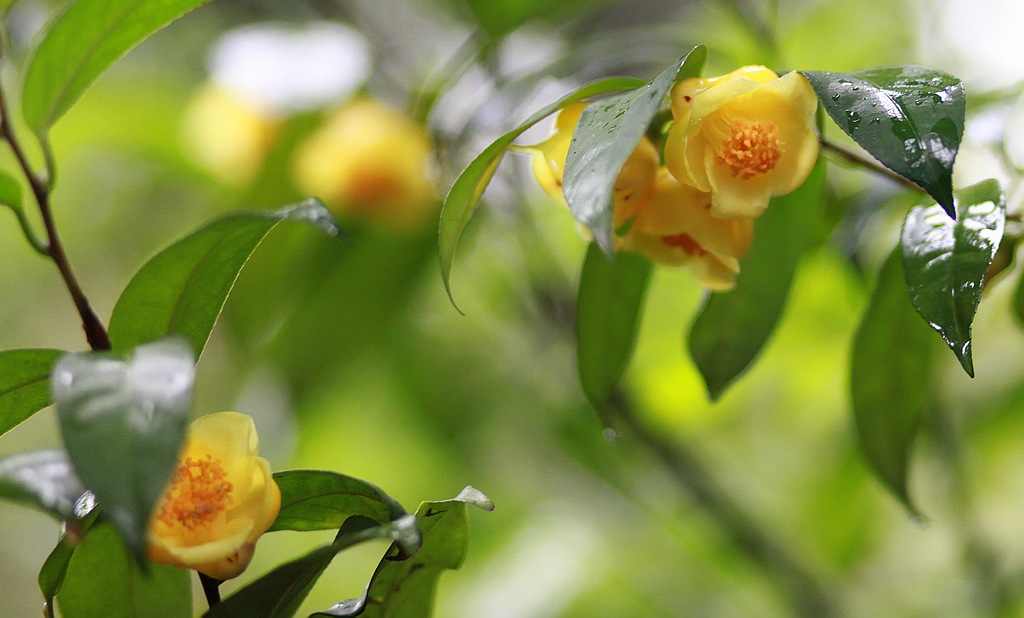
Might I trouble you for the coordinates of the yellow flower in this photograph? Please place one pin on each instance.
(221, 499)
(675, 227)
(371, 161)
(744, 137)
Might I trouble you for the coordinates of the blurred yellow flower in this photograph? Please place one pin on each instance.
(221, 499)
(744, 137)
(371, 161)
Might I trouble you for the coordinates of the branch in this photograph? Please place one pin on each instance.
(856, 158)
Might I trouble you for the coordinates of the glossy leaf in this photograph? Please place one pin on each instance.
(123, 423)
(55, 567)
(465, 194)
(182, 289)
(43, 480)
(406, 589)
(24, 384)
(609, 304)
(321, 500)
(82, 42)
(607, 133)
(102, 581)
(946, 261)
(732, 327)
(889, 378)
(910, 118)
(279, 593)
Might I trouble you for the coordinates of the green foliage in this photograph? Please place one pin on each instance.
(465, 194)
(41, 479)
(103, 581)
(607, 133)
(24, 384)
(608, 308)
(731, 328)
(80, 43)
(182, 289)
(112, 412)
(890, 371)
(911, 118)
(946, 261)
(322, 500)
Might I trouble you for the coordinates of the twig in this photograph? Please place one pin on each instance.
(95, 333)
(858, 159)
(211, 588)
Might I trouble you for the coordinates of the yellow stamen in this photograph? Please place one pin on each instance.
(753, 148)
(197, 495)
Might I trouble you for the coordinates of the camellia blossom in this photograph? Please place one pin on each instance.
(221, 499)
(744, 137)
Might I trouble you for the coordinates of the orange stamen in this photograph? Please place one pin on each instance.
(197, 495)
(753, 148)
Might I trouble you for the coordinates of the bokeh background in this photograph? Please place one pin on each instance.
(351, 357)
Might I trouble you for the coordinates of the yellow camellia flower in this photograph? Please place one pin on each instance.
(744, 137)
(675, 227)
(371, 161)
(221, 499)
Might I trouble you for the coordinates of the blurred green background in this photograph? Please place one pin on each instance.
(351, 358)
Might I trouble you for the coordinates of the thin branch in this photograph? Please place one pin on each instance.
(95, 333)
(856, 158)
(211, 588)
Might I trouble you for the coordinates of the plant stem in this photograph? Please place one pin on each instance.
(211, 588)
(95, 333)
(858, 159)
(808, 596)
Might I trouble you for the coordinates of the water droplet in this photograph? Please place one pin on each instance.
(835, 97)
(852, 121)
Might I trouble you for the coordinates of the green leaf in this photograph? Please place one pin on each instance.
(406, 589)
(43, 480)
(55, 568)
(82, 42)
(608, 309)
(10, 192)
(910, 118)
(945, 261)
(889, 378)
(182, 289)
(102, 581)
(607, 133)
(321, 500)
(123, 423)
(732, 327)
(24, 384)
(279, 593)
(465, 194)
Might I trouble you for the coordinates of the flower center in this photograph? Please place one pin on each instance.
(197, 495)
(685, 242)
(753, 148)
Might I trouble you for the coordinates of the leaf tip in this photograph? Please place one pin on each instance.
(472, 495)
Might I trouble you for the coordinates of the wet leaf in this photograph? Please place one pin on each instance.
(182, 289)
(24, 384)
(608, 309)
(82, 42)
(123, 423)
(44, 480)
(889, 378)
(465, 194)
(945, 261)
(909, 117)
(321, 500)
(607, 133)
(732, 327)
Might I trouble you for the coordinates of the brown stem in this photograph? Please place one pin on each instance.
(858, 159)
(211, 588)
(95, 333)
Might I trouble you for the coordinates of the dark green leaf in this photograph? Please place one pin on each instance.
(464, 195)
(42, 479)
(911, 118)
(102, 581)
(945, 261)
(321, 500)
(80, 43)
(889, 375)
(608, 309)
(123, 423)
(24, 384)
(406, 588)
(55, 568)
(182, 289)
(279, 593)
(607, 133)
(732, 327)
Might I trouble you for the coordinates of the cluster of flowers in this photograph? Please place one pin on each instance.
(735, 142)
